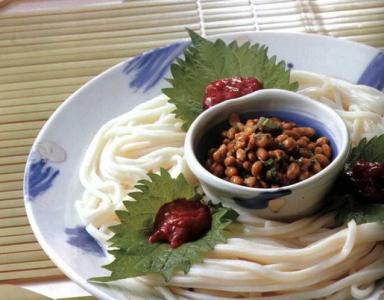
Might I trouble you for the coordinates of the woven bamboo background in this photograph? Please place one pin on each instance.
(47, 55)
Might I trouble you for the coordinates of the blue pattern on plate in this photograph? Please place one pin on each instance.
(80, 238)
(373, 74)
(40, 177)
(148, 68)
(261, 201)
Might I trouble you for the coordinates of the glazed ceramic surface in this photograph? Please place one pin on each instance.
(51, 184)
(285, 203)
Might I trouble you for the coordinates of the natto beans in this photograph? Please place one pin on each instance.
(268, 153)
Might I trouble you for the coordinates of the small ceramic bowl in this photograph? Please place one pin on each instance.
(286, 202)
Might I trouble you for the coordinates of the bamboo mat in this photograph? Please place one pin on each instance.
(47, 55)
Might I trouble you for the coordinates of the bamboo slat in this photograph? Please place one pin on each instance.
(231, 29)
(11, 185)
(17, 239)
(10, 177)
(11, 222)
(98, 12)
(14, 151)
(12, 212)
(12, 160)
(32, 116)
(25, 274)
(58, 66)
(43, 83)
(32, 100)
(12, 135)
(346, 15)
(11, 169)
(15, 230)
(363, 33)
(38, 92)
(103, 27)
(26, 266)
(11, 203)
(379, 43)
(136, 20)
(29, 108)
(89, 50)
(141, 32)
(341, 18)
(10, 195)
(58, 74)
(353, 14)
(366, 39)
(26, 61)
(21, 126)
(291, 7)
(18, 142)
(18, 248)
(108, 40)
(22, 257)
(337, 23)
(224, 3)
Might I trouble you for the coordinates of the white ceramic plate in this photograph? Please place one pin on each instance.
(51, 184)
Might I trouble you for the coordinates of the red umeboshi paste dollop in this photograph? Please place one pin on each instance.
(367, 179)
(181, 221)
(229, 88)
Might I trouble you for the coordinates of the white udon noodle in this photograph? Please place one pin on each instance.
(361, 107)
(305, 259)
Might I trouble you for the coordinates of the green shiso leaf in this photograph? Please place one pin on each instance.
(267, 123)
(135, 256)
(372, 150)
(350, 209)
(205, 61)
